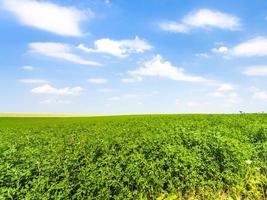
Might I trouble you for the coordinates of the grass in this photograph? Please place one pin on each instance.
(134, 157)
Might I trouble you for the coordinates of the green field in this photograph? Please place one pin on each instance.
(134, 157)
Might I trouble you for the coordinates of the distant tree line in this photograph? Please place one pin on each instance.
(242, 112)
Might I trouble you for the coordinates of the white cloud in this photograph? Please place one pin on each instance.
(254, 47)
(229, 98)
(48, 89)
(114, 98)
(174, 27)
(193, 104)
(217, 94)
(28, 68)
(47, 16)
(97, 80)
(203, 18)
(155, 92)
(59, 51)
(258, 94)
(130, 95)
(257, 70)
(55, 101)
(221, 50)
(224, 91)
(118, 48)
(232, 98)
(202, 55)
(253, 89)
(105, 90)
(33, 81)
(131, 80)
(226, 87)
(124, 96)
(107, 2)
(160, 68)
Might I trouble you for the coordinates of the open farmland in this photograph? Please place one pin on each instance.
(134, 157)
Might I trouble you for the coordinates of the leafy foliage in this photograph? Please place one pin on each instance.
(134, 157)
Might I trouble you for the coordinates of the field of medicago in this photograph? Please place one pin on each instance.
(134, 157)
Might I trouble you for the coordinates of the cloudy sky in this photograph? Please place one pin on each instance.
(145, 56)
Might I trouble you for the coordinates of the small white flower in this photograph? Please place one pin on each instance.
(248, 162)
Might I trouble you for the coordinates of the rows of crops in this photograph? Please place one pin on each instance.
(134, 157)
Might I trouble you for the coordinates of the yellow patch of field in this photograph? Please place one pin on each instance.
(39, 115)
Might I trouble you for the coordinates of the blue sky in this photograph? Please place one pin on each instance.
(118, 57)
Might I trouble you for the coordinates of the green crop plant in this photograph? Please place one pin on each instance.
(134, 157)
